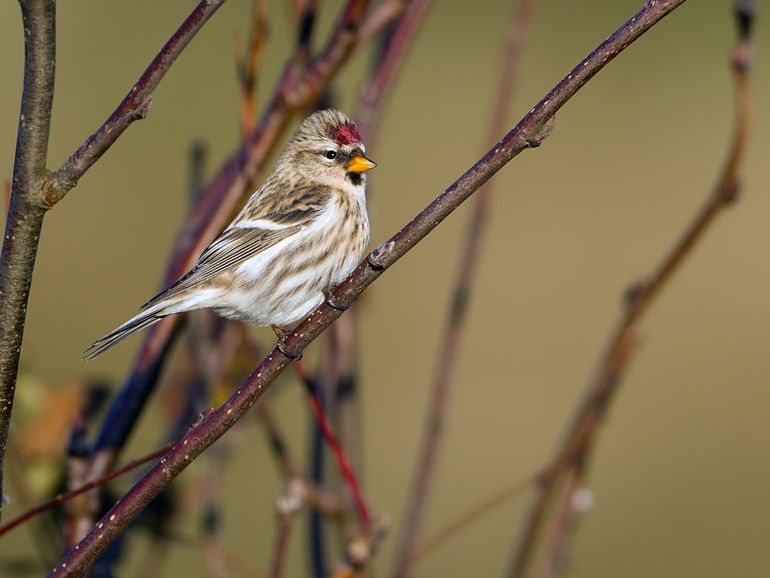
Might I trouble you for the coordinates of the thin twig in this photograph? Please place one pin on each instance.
(364, 517)
(326, 505)
(63, 497)
(247, 64)
(430, 448)
(134, 106)
(359, 552)
(528, 133)
(287, 507)
(379, 18)
(575, 449)
(473, 514)
(389, 64)
(25, 214)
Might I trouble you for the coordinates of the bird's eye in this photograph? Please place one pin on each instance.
(331, 154)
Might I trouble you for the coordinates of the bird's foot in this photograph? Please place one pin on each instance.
(329, 295)
(282, 334)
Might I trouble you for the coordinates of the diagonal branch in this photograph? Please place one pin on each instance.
(134, 106)
(431, 444)
(572, 455)
(527, 134)
(25, 213)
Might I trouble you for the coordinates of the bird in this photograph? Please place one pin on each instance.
(297, 237)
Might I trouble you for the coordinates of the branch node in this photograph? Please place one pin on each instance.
(636, 290)
(143, 109)
(543, 132)
(377, 259)
(745, 12)
(732, 192)
(49, 193)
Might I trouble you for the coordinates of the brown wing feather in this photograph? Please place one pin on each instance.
(240, 242)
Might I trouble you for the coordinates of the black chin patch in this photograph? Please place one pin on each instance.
(355, 178)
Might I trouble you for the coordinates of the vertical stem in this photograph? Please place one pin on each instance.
(25, 214)
(442, 385)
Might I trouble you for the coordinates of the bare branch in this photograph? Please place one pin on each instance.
(528, 133)
(25, 214)
(134, 106)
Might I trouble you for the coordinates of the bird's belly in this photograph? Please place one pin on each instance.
(260, 308)
(283, 284)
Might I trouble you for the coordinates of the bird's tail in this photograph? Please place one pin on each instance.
(140, 321)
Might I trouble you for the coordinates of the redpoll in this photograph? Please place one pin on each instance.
(297, 237)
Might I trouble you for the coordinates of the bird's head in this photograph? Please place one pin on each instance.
(328, 148)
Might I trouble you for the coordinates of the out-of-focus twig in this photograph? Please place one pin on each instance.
(360, 551)
(528, 133)
(573, 453)
(364, 517)
(474, 513)
(417, 501)
(287, 507)
(320, 501)
(68, 495)
(379, 18)
(388, 65)
(247, 63)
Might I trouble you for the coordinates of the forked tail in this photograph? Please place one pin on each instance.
(144, 319)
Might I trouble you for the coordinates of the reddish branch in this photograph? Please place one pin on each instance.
(346, 471)
(471, 515)
(528, 133)
(65, 496)
(417, 501)
(573, 454)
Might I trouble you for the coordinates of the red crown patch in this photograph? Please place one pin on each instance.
(346, 134)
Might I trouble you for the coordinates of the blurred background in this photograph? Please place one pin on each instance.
(680, 475)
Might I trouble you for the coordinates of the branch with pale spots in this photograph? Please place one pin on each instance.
(528, 133)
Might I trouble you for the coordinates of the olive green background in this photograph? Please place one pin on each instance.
(681, 474)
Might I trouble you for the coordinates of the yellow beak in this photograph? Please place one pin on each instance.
(359, 164)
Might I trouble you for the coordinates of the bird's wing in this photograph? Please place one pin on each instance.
(261, 224)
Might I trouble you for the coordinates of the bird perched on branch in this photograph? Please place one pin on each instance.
(297, 237)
